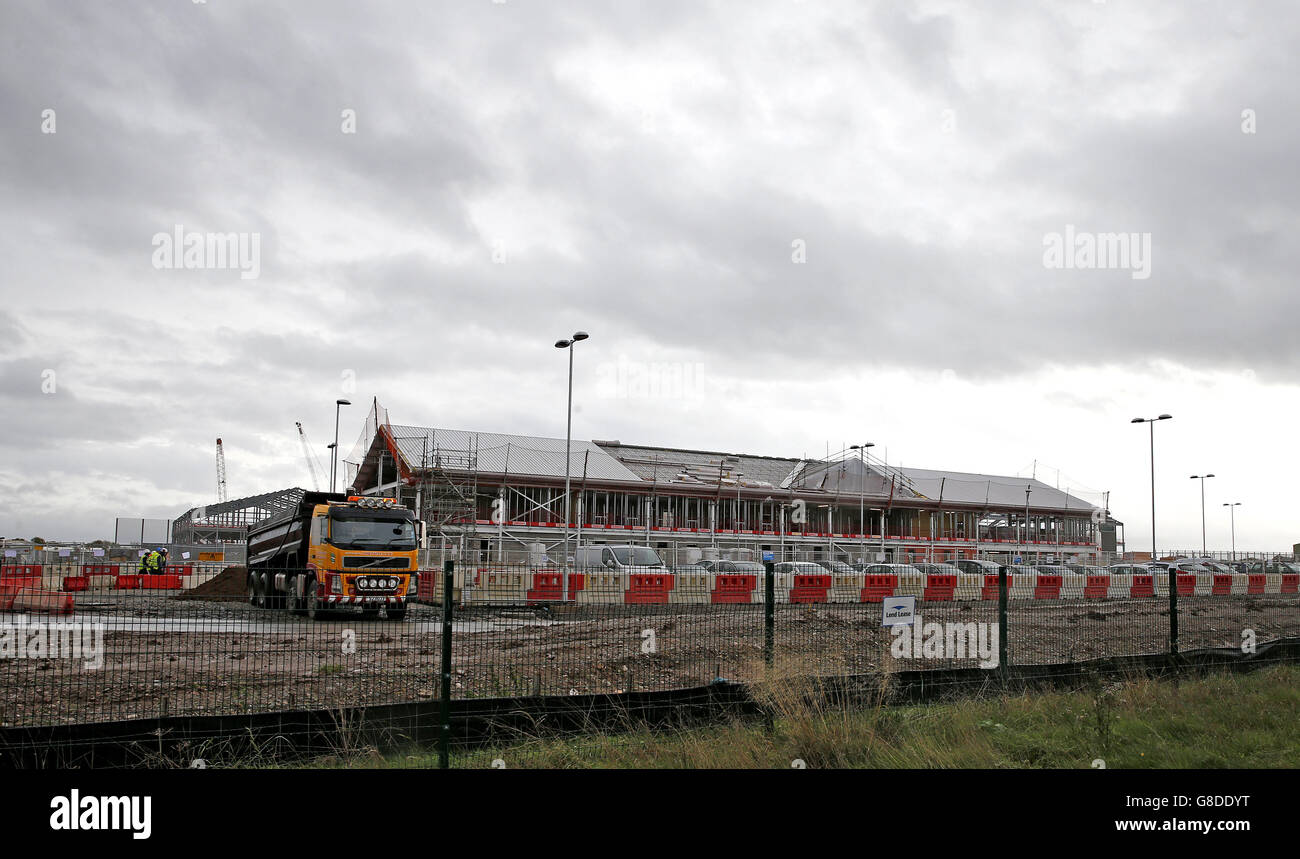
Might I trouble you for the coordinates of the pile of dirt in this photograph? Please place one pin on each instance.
(230, 584)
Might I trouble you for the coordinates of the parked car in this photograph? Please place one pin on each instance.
(839, 568)
(977, 566)
(747, 568)
(890, 569)
(618, 558)
(938, 569)
(709, 564)
(1087, 569)
(802, 568)
(690, 570)
(1214, 566)
(1132, 569)
(1054, 569)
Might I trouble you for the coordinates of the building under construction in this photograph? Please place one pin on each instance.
(493, 497)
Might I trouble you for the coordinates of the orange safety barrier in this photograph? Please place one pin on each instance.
(160, 582)
(733, 588)
(991, 587)
(1143, 586)
(1097, 587)
(1290, 583)
(75, 583)
(38, 599)
(101, 570)
(939, 588)
(128, 582)
(810, 588)
(1255, 583)
(1186, 584)
(7, 594)
(20, 573)
(1048, 587)
(648, 589)
(547, 587)
(878, 587)
(1222, 584)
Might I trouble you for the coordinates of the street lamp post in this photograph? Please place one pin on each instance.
(1173, 575)
(334, 457)
(1232, 511)
(1152, 422)
(1202, 478)
(568, 440)
(862, 488)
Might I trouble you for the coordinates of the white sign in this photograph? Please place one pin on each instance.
(144, 552)
(98, 553)
(185, 556)
(11, 553)
(898, 611)
(65, 553)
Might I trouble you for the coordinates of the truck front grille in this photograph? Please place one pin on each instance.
(377, 563)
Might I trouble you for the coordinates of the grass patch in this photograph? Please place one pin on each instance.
(1225, 720)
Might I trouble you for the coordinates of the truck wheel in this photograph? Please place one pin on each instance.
(398, 614)
(274, 599)
(257, 590)
(313, 608)
(291, 600)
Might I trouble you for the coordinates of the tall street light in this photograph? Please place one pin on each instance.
(1152, 422)
(334, 458)
(1232, 510)
(1173, 575)
(1202, 478)
(568, 436)
(862, 488)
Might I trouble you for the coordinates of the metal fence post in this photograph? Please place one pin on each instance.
(769, 612)
(1173, 614)
(444, 693)
(1003, 667)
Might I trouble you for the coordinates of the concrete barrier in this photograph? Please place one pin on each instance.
(42, 601)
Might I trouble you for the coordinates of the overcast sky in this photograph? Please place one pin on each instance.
(830, 223)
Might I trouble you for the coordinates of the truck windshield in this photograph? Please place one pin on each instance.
(353, 533)
(637, 557)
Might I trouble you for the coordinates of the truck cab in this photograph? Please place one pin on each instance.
(336, 553)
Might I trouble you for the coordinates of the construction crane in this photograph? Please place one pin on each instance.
(221, 474)
(313, 465)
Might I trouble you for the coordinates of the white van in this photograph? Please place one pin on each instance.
(620, 559)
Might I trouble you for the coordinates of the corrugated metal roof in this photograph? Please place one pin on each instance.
(502, 453)
(699, 467)
(541, 456)
(967, 487)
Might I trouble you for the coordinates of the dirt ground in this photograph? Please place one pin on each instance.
(220, 656)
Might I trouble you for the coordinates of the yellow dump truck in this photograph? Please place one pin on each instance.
(335, 553)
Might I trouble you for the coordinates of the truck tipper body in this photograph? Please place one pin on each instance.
(335, 552)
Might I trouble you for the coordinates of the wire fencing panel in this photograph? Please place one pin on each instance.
(100, 643)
